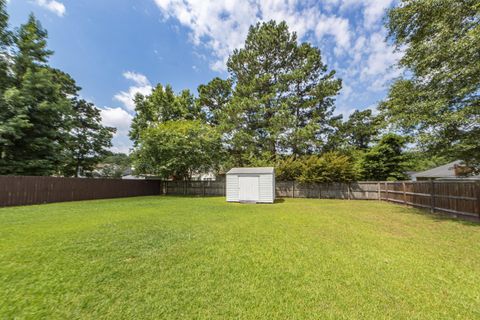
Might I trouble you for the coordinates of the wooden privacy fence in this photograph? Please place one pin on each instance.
(459, 198)
(357, 190)
(354, 190)
(194, 188)
(15, 191)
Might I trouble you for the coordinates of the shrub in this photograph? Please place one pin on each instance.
(329, 167)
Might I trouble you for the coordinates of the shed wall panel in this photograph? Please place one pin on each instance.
(232, 187)
(266, 187)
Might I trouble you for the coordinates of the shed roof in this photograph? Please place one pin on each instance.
(251, 170)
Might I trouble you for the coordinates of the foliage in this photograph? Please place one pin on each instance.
(88, 140)
(43, 131)
(283, 95)
(329, 167)
(160, 106)
(34, 115)
(5, 42)
(288, 168)
(439, 103)
(361, 128)
(178, 149)
(385, 161)
(114, 165)
(421, 161)
(213, 98)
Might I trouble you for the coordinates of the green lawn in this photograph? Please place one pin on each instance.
(201, 258)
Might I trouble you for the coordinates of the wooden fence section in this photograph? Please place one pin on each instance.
(194, 188)
(354, 190)
(459, 198)
(291, 189)
(16, 191)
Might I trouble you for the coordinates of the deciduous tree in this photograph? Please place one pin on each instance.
(439, 102)
(88, 139)
(178, 149)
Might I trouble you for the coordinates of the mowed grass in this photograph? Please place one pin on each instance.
(202, 258)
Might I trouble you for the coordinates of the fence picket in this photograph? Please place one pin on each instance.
(455, 197)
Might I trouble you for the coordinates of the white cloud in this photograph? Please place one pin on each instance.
(350, 34)
(222, 25)
(141, 85)
(337, 27)
(120, 119)
(52, 5)
(117, 118)
(138, 78)
(373, 10)
(380, 64)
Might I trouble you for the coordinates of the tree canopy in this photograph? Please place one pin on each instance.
(178, 149)
(438, 103)
(41, 123)
(283, 99)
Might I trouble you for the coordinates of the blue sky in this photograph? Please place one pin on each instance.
(115, 48)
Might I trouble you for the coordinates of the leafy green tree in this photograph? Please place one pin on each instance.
(421, 161)
(439, 102)
(361, 128)
(214, 97)
(5, 43)
(283, 95)
(177, 149)
(160, 106)
(386, 160)
(88, 140)
(35, 111)
(31, 42)
(114, 165)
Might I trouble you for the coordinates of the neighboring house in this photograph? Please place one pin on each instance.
(411, 174)
(204, 176)
(452, 170)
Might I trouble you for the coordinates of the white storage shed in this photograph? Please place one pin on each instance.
(251, 185)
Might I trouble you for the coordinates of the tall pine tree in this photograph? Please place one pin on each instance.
(283, 98)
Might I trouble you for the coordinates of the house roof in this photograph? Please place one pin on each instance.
(445, 171)
(251, 170)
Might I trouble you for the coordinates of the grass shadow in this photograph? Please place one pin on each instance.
(443, 216)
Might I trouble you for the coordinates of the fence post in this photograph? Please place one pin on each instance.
(185, 187)
(478, 199)
(203, 185)
(404, 193)
(379, 191)
(432, 200)
(293, 189)
(349, 191)
(386, 190)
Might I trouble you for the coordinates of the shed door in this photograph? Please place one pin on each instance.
(248, 189)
